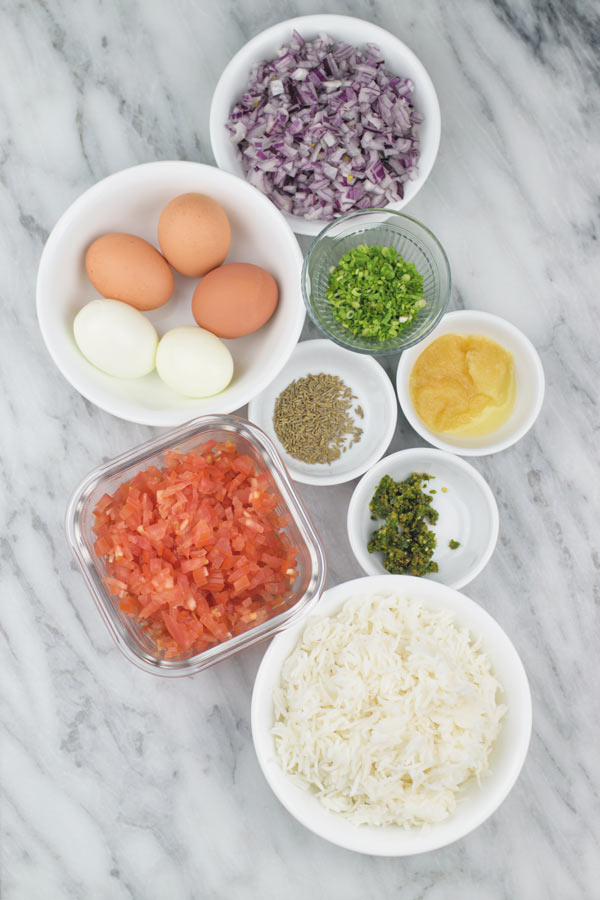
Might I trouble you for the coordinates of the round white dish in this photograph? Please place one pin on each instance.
(373, 391)
(468, 513)
(398, 58)
(529, 377)
(477, 803)
(131, 201)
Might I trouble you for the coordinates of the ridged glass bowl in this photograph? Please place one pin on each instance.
(385, 228)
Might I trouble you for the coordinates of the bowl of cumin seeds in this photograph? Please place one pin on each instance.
(331, 413)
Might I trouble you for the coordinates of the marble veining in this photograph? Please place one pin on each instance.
(119, 785)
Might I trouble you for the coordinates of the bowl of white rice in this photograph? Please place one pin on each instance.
(395, 720)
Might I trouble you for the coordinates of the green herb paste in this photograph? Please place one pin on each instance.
(405, 540)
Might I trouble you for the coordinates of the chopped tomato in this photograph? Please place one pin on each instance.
(195, 551)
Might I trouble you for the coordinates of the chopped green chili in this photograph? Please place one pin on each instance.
(404, 539)
(454, 545)
(374, 292)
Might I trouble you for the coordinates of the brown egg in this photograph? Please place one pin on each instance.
(125, 267)
(194, 234)
(235, 300)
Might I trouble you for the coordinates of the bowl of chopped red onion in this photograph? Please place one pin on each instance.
(326, 115)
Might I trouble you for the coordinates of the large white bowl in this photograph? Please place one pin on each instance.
(467, 513)
(131, 201)
(399, 60)
(477, 803)
(373, 391)
(529, 378)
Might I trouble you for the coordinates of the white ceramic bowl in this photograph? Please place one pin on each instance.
(468, 513)
(373, 390)
(529, 377)
(476, 802)
(398, 58)
(131, 201)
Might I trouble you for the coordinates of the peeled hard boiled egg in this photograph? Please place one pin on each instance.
(193, 361)
(235, 300)
(194, 234)
(116, 338)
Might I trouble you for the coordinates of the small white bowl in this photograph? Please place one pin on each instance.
(131, 201)
(399, 60)
(529, 382)
(373, 390)
(468, 514)
(476, 803)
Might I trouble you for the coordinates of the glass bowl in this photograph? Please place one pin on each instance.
(128, 634)
(385, 228)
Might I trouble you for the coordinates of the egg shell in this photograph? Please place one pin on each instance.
(235, 300)
(194, 234)
(116, 338)
(127, 268)
(193, 361)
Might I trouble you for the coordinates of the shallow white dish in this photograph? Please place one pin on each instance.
(131, 201)
(468, 513)
(374, 393)
(398, 58)
(477, 802)
(529, 376)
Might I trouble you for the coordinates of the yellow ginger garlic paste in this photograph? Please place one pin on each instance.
(463, 384)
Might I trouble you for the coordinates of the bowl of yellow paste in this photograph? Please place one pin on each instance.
(474, 386)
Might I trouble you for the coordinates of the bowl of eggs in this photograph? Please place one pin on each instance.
(170, 290)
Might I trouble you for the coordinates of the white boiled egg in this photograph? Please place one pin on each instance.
(194, 362)
(116, 338)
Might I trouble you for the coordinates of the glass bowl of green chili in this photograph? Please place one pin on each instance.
(376, 281)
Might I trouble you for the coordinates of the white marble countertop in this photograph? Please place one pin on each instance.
(117, 784)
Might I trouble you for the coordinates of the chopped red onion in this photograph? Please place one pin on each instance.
(324, 129)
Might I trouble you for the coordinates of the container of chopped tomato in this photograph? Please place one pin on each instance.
(195, 545)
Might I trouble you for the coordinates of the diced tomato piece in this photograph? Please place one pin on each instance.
(103, 503)
(102, 546)
(156, 532)
(152, 607)
(190, 565)
(200, 576)
(240, 585)
(177, 631)
(243, 464)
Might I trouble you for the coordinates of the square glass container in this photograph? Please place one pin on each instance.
(128, 634)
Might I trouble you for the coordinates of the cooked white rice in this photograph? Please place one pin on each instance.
(386, 710)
